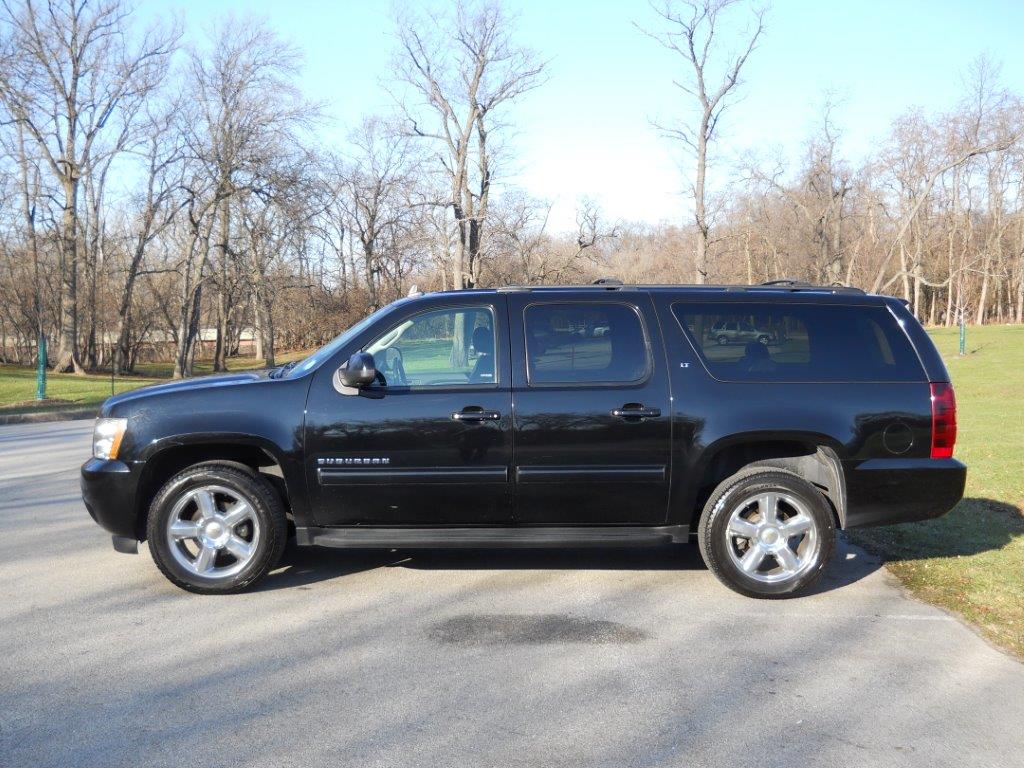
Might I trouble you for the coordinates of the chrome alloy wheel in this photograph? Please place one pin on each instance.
(213, 532)
(772, 537)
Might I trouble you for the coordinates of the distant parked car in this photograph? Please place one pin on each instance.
(739, 332)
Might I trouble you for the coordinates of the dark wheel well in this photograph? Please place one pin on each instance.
(818, 464)
(166, 464)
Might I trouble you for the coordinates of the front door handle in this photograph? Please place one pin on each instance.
(636, 411)
(474, 414)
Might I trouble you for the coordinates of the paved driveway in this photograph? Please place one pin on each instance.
(581, 658)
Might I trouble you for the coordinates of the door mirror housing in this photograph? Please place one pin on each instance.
(359, 371)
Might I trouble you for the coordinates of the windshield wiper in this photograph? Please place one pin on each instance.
(281, 370)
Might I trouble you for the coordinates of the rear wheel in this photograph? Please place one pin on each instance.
(723, 340)
(215, 528)
(766, 533)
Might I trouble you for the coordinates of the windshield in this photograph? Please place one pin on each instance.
(328, 349)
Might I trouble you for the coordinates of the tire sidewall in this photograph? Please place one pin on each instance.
(251, 487)
(714, 541)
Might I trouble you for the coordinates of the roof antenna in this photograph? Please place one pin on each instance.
(415, 291)
(609, 281)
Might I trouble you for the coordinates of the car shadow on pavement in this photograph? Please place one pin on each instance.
(302, 566)
(975, 526)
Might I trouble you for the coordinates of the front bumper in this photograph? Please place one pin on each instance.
(887, 491)
(108, 490)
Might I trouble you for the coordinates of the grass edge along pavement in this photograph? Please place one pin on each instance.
(971, 561)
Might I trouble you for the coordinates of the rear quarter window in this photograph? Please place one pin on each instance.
(799, 342)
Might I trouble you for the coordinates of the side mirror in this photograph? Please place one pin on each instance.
(359, 371)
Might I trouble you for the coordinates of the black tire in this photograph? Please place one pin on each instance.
(723, 340)
(766, 340)
(738, 492)
(267, 510)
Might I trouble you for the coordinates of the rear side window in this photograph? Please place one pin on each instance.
(585, 344)
(799, 342)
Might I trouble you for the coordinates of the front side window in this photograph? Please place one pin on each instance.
(585, 344)
(799, 342)
(449, 347)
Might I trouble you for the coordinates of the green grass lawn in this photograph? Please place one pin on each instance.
(972, 560)
(65, 390)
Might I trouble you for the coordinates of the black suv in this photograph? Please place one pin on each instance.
(605, 415)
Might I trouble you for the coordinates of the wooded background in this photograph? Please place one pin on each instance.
(164, 200)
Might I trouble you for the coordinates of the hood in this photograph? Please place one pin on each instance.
(186, 385)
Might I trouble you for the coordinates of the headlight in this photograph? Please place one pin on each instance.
(106, 437)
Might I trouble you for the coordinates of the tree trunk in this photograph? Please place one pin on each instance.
(459, 257)
(188, 328)
(749, 257)
(461, 334)
(700, 210)
(187, 321)
(257, 328)
(124, 312)
(268, 327)
(1020, 268)
(67, 355)
(983, 297)
(220, 352)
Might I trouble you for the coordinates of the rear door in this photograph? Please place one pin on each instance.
(592, 418)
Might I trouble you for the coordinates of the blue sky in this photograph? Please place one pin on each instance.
(587, 131)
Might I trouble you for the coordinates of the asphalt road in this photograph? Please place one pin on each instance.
(484, 658)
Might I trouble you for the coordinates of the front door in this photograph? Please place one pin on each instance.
(592, 410)
(430, 443)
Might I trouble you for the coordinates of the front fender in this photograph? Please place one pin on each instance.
(210, 445)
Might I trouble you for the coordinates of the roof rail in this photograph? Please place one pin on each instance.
(614, 284)
(798, 285)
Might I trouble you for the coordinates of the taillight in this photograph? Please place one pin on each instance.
(943, 420)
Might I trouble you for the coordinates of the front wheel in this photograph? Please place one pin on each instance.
(215, 528)
(766, 533)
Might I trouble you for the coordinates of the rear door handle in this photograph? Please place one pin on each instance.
(636, 411)
(475, 414)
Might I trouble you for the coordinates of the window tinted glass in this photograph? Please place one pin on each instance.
(799, 342)
(335, 344)
(443, 348)
(584, 344)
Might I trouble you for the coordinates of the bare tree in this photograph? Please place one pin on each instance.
(192, 241)
(709, 77)
(527, 253)
(249, 111)
(72, 67)
(162, 152)
(819, 197)
(460, 71)
(376, 182)
(29, 193)
(976, 142)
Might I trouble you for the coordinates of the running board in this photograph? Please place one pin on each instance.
(450, 538)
